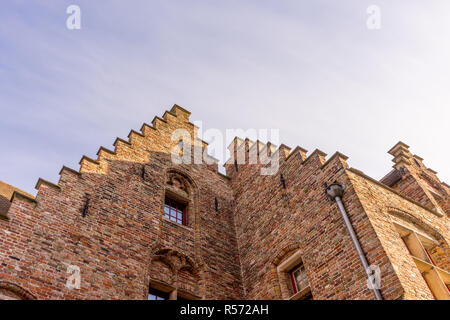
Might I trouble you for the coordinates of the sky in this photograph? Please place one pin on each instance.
(311, 69)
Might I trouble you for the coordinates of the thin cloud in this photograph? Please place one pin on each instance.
(313, 70)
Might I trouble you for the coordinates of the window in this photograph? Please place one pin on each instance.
(162, 291)
(175, 211)
(154, 294)
(293, 278)
(419, 246)
(179, 198)
(299, 279)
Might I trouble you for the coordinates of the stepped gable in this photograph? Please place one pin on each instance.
(136, 148)
(242, 235)
(6, 194)
(411, 178)
(248, 155)
(108, 217)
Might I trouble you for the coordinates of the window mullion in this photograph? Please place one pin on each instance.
(415, 247)
(436, 284)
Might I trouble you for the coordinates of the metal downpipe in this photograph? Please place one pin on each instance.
(335, 192)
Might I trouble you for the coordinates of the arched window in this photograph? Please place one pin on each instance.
(422, 248)
(174, 276)
(293, 278)
(179, 198)
(11, 291)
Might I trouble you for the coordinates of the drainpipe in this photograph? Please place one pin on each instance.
(335, 192)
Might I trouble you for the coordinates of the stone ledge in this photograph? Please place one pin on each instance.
(336, 154)
(177, 224)
(89, 160)
(105, 150)
(297, 150)
(121, 140)
(70, 170)
(21, 195)
(47, 183)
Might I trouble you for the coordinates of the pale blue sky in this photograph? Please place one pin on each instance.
(310, 68)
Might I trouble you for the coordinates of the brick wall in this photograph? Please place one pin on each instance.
(383, 207)
(124, 241)
(107, 219)
(273, 222)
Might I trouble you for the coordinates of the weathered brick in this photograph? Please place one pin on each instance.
(107, 219)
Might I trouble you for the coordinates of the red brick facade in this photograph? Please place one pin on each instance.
(244, 231)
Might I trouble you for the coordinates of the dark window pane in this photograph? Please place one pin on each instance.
(175, 211)
(157, 295)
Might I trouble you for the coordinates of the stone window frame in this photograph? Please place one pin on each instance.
(187, 197)
(418, 244)
(284, 270)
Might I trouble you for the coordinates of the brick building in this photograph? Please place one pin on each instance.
(132, 224)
